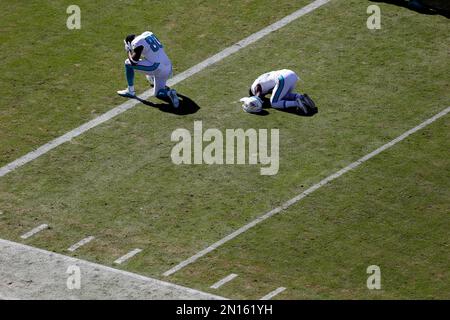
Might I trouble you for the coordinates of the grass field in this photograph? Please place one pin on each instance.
(118, 183)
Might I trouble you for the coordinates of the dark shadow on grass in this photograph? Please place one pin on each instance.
(187, 105)
(263, 113)
(300, 113)
(416, 6)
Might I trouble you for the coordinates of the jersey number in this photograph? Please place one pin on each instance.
(154, 43)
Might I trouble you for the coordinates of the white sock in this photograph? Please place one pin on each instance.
(131, 88)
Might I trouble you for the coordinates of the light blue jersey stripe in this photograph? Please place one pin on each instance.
(153, 67)
(129, 70)
(280, 89)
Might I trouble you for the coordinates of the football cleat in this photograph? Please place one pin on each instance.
(173, 98)
(308, 102)
(127, 93)
(301, 106)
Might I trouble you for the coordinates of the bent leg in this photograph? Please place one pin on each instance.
(160, 77)
(292, 96)
(162, 91)
(283, 104)
(282, 97)
(129, 72)
(143, 66)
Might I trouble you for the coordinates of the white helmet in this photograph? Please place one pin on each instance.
(252, 104)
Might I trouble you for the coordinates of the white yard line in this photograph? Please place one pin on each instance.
(34, 231)
(273, 293)
(178, 78)
(48, 274)
(220, 283)
(302, 195)
(81, 243)
(128, 256)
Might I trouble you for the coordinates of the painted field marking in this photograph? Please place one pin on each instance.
(273, 293)
(7, 298)
(81, 243)
(129, 255)
(220, 283)
(176, 79)
(34, 231)
(49, 256)
(302, 195)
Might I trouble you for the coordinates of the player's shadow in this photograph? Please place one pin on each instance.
(415, 6)
(267, 105)
(263, 112)
(187, 105)
(311, 113)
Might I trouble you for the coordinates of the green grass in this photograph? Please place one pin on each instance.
(392, 212)
(117, 181)
(53, 79)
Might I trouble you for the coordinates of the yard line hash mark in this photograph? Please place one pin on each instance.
(34, 231)
(128, 256)
(305, 193)
(273, 293)
(176, 79)
(80, 243)
(220, 283)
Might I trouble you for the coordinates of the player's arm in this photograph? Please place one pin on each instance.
(259, 91)
(135, 55)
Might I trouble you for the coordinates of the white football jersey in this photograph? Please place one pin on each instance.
(269, 80)
(153, 48)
